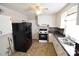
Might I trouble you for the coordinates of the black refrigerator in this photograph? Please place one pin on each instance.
(22, 36)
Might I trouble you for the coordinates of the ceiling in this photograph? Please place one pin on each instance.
(21, 7)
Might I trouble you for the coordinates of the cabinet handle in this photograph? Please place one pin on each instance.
(10, 49)
(9, 39)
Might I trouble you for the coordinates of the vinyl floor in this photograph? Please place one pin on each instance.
(38, 49)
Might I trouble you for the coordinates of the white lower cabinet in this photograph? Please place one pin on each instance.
(6, 45)
(58, 48)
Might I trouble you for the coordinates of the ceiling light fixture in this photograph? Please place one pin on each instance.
(36, 8)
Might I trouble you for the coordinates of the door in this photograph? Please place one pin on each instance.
(43, 36)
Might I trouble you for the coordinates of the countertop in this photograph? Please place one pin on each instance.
(70, 49)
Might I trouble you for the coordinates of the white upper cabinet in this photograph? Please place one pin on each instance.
(5, 25)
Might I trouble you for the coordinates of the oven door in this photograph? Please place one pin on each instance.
(43, 36)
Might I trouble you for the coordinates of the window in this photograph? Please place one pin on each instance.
(68, 21)
(63, 18)
(70, 14)
(70, 24)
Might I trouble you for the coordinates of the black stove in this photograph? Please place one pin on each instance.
(43, 34)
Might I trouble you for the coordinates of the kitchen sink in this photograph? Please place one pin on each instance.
(68, 45)
(66, 41)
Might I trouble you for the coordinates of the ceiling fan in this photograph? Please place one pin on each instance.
(36, 8)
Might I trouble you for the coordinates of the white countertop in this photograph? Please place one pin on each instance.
(68, 48)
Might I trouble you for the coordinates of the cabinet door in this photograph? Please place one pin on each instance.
(50, 37)
(6, 45)
(58, 48)
(3, 45)
(11, 44)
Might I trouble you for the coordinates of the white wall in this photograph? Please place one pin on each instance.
(58, 15)
(18, 17)
(72, 28)
(5, 25)
(46, 19)
(58, 20)
(15, 16)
